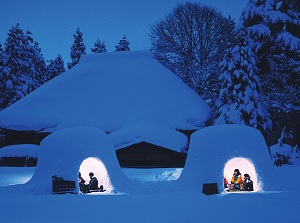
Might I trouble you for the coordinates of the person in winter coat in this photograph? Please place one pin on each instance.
(248, 183)
(237, 180)
(81, 182)
(93, 184)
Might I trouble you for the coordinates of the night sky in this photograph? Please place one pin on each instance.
(53, 22)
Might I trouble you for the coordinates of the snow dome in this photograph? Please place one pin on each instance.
(216, 151)
(66, 152)
(120, 93)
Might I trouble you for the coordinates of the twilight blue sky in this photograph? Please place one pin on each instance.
(53, 22)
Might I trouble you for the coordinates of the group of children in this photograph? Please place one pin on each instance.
(238, 183)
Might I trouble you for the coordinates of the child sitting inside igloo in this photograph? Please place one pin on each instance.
(236, 181)
(248, 183)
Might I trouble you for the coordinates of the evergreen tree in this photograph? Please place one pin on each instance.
(274, 26)
(275, 29)
(55, 68)
(99, 47)
(39, 64)
(3, 61)
(239, 99)
(77, 49)
(123, 45)
(2, 56)
(24, 68)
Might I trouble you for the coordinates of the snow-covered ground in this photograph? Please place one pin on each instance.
(15, 175)
(152, 195)
(172, 206)
(21, 175)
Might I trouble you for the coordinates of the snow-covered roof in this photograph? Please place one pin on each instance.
(113, 91)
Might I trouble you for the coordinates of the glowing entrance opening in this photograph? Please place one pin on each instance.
(245, 166)
(96, 166)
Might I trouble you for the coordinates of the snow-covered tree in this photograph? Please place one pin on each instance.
(77, 49)
(99, 47)
(2, 56)
(191, 41)
(55, 68)
(275, 29)
(24, 67)
(239, 99)
(3, 60)
(39, 64)
(123, 44)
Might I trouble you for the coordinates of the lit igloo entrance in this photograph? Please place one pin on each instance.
(95, 165)
(245, 166)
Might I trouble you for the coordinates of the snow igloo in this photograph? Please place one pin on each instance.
(216, 151)
(66, 152)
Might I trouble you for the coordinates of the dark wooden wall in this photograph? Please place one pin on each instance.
(138, 155)
(148, 155)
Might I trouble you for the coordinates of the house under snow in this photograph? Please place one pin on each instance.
(146, 110)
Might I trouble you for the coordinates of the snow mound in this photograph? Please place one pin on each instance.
(112, 91)
(169, 175)
(21, 150)
(284, 149)
(135, 134)
(278, 151)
